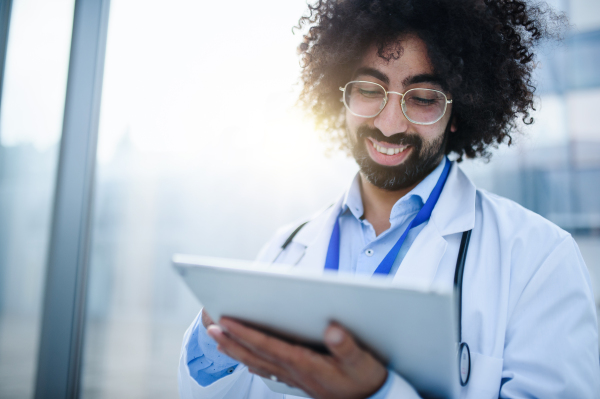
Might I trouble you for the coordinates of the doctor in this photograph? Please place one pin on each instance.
(401, 84)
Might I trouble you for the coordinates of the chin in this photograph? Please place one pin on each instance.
(413, 168)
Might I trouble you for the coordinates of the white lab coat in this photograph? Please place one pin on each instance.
(528, 310)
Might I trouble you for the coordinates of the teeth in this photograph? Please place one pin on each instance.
(388, 151)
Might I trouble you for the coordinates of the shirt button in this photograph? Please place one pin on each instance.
(369, 252)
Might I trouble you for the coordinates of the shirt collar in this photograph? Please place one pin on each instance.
(353, 200)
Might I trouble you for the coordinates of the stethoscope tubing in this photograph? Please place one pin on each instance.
(458, 275)
(463, 349)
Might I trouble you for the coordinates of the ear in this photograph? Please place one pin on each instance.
(453, 127)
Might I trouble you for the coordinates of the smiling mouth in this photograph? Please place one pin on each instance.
(387, 154)
(386, 148)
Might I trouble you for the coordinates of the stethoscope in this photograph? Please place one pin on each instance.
(464, 354)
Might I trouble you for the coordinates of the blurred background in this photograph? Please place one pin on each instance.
(189, 162)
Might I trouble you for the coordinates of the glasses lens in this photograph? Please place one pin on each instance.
(364, 98)
(424, 106)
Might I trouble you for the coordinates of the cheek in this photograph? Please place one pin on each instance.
(432, 132)
(352, 124)
(353, 121)
(429, 132)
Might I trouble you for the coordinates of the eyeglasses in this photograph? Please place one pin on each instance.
(420, 106)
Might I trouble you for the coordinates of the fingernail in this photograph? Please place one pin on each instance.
(334, 336)
(214, 331)
(223, 324)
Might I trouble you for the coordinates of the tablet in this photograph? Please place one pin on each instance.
(414, 332)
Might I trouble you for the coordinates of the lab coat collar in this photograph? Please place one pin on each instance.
(454, 213)
(315, 236)
(455, 210)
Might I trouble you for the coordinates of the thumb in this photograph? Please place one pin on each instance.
(341, 344)
(206, 319)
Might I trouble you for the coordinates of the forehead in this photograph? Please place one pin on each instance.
(413, 61)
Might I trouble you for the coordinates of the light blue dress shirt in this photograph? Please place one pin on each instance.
(205, 362)
(361, 251)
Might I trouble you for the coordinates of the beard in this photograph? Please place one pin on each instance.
(423, 159)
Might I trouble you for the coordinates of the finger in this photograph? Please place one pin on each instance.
(273, 349)
(206, 319)
(254, 361)
(237, 351)
(342, 346)
(233, 349)
(258, 372)
(264, 374)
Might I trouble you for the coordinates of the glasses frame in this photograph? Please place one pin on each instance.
(402, 103)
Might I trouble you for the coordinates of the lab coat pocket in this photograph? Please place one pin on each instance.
(292, 255)
(485, 378)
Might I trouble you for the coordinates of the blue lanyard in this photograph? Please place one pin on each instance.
(332, 261)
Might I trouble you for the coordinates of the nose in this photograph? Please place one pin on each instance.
(391, 120)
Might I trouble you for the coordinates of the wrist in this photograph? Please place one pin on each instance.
(383, 388)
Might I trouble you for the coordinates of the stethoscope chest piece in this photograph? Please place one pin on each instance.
(464, 363)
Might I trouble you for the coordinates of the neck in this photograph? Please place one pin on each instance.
(378, 203)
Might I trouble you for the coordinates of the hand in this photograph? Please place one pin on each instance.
(207, 321)
(349, 372)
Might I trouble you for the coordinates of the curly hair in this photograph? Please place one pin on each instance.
(481, 49)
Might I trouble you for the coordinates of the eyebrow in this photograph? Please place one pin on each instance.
(410, 80)
(422, 78)
(372, 72)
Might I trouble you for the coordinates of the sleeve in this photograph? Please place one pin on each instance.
(230, 386)
(395, 387)
(205, 363)
(551, 345)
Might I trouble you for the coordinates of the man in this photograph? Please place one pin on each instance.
(419, 80)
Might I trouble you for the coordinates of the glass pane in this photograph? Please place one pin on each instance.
(30, 127)
(200, 152)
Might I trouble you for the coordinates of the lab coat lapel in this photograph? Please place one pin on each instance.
(315, 237)
(454, 213)
(419, 266)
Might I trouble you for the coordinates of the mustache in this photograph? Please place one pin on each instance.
(414, 140)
